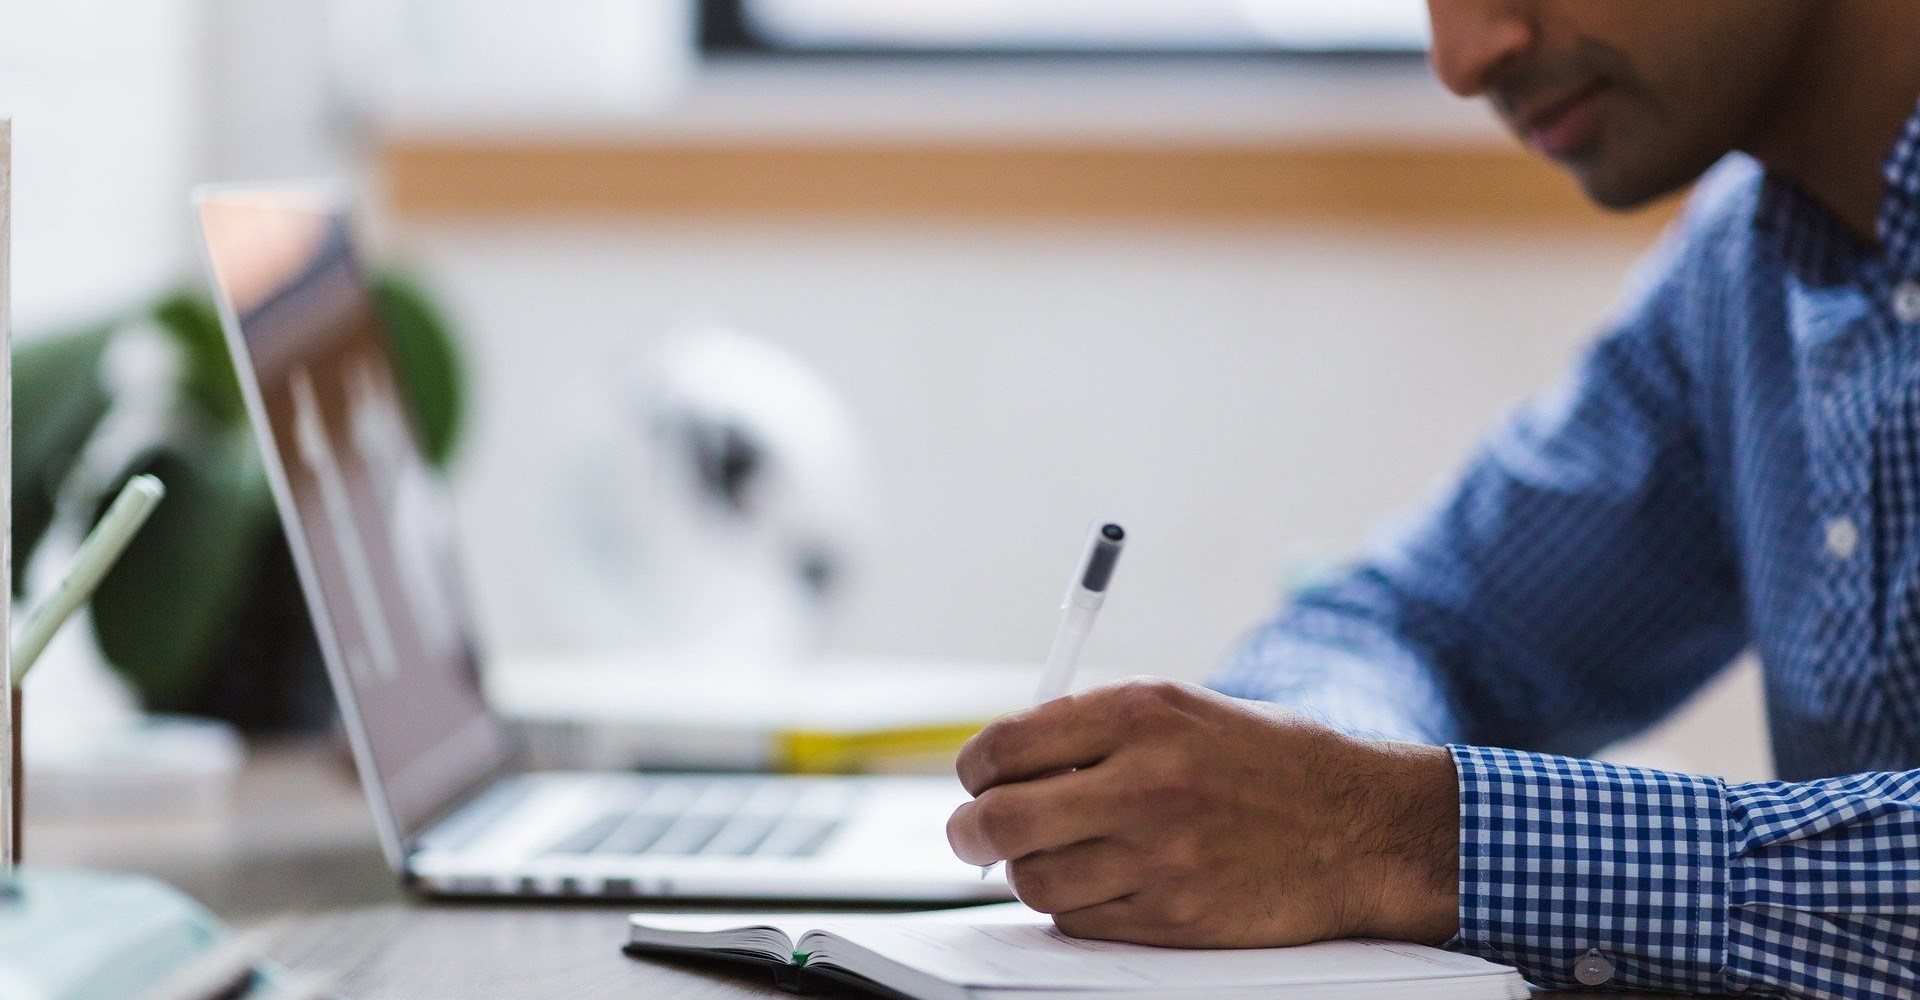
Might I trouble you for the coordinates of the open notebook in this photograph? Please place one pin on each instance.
(1008, 952)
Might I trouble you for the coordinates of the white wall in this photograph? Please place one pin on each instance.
(107, 132)
(1228, 394)
(1240, 398)
(1237, 396)
(274, 107)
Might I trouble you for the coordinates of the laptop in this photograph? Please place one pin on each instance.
(368, 519)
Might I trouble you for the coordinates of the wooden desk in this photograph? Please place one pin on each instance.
(295, 858)
(296, 837)
(473, 952)
(459, 952)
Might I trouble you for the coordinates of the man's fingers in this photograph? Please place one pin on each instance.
(1078, 730)
(1122, 919)
(1076, 876)
(1013, 821)
(1148, 917)
(1057, 736)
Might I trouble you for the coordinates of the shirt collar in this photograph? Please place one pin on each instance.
(1900, 214)
(1815, 243)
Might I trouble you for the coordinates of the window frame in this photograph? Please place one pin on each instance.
(726, 30)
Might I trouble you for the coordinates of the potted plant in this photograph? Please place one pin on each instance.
(204, 614)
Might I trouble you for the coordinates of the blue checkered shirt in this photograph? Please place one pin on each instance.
(1734, 464)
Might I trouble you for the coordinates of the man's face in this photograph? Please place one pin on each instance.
(1636, 98)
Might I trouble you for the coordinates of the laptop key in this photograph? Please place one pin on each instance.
(740, 837)
(773, 798)
(798, 837)
(714, 818)
(688, 835)
(636, 835)
(586, 838)
(813, 842)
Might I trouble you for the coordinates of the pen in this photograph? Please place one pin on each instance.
(96, 556)
(1086, 592)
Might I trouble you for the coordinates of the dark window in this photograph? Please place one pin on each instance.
(963, 27)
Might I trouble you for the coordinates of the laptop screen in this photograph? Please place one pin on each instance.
(367, 517)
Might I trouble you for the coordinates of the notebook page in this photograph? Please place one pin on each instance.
(721, 930)
(717, 923)
(1034, 955)
(736, 935)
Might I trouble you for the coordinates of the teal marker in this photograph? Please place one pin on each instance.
(96, 556)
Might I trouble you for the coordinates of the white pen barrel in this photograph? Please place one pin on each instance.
(1057, 679)
(1086, 592)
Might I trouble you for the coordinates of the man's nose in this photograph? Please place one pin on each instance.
(1475, 40)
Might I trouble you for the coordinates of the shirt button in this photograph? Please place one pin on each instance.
(1906, 302)
(1843, 538)
(1593, 969)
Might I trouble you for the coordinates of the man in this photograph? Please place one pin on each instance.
(1735, 463)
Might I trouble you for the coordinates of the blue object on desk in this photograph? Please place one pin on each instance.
(82, 935)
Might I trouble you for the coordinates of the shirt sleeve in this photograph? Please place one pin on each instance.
(1581, 873)
(1576, 582)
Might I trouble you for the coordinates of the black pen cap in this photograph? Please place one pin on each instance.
(1105, 554)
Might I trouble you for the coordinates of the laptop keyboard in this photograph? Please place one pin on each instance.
(686, 817)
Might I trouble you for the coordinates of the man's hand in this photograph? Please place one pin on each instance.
(1162, 813)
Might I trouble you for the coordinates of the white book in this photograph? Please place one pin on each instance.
(1008, 952)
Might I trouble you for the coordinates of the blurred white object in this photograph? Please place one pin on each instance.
(617, 711)
(73, 694)
(91, 754)
(714, 499)
(161, 767)
(108, 106)
(88, 749)
(501, 61)
(9, 736)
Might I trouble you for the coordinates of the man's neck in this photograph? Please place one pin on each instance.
(1843, 106)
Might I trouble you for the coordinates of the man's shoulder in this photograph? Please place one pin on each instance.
(1710, 260)
(1716, 236)
(1727, 196)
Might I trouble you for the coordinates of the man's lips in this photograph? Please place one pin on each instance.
(1559, 126)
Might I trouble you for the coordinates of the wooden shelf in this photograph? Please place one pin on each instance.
(1367, 182)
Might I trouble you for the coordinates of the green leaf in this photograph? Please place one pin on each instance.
(57, 402)
(425, 359)
(209, 380)
(425, 362)
(163, 611)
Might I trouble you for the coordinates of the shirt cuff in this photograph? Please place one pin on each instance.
(1581, 873)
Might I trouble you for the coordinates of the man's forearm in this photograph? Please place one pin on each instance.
(1406, 839)
(1160, 813)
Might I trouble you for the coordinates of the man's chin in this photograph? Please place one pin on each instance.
(1624, 191)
